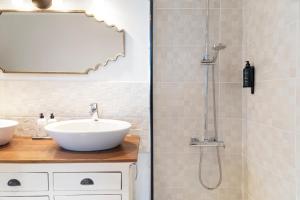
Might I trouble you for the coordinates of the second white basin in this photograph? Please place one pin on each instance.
(87, 134)
(7, 129)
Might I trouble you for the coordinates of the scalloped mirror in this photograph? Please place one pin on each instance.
(57, 42)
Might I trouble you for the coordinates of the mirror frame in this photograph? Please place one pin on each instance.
(89, 69)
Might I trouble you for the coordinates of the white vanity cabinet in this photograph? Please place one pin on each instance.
(67, 181)
(23, 182)
(24, 198)
(41, 170)
(87, 181)
(90, 197)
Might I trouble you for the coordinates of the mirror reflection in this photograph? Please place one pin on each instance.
(52, 42)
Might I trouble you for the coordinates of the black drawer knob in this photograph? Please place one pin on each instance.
(87, 181)
(13, 183)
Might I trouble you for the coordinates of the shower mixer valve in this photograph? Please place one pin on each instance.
(211, 142)
(212, 139)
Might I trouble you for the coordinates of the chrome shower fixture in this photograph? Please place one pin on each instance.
(207, 141)
(209, 62)
(217, 48)
(212, 142)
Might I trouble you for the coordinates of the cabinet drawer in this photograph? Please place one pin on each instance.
(24, 198)
(89, 197)
(23, 182)
(87, 181)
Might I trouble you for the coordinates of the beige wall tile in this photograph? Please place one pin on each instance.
(231, 27)
(179, 100)
(194, 192)
(262, 143)
(230, 100)
(169, 193)
(232, 168)
(273, 104)
(168, 99)
(230, 64)
(169, 64)
(231, 4)
(230, 131)
(298, 182)
(230, 194)
(297, 109)
(297, 152)
(184, 27)
(177, 64)
(186, 4)
(276, 39)
(244, 178)
(283, 104)
(181, 170)
(169, 135)
(193, 100)
(271, 112)
(245, 93)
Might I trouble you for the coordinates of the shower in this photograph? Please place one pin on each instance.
(212, 61)
(209, 62)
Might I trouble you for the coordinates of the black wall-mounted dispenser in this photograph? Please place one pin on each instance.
(249, 77)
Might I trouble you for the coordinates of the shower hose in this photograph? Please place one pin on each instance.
(215, 138)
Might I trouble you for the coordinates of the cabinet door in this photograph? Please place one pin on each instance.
(23, 182)
(89, 197)
(87, 181)
(24, 198)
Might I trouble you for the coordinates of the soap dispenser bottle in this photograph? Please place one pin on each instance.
(247, 75)
(52, 119)
(41, 123)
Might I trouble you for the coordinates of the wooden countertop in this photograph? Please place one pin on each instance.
(26, 150)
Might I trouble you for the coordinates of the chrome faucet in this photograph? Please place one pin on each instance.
(94, 112)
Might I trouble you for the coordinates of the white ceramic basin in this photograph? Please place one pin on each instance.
(87, 134)
(7, 129)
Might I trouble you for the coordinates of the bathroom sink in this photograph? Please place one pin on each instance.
(88, 134)
(7, 129)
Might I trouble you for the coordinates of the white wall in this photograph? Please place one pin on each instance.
(122, 88)
(133, 17)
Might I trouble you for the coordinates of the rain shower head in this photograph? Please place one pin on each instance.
(218, 47)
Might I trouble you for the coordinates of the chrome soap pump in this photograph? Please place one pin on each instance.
(249, 77)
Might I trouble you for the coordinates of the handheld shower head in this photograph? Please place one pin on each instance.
(218, 47)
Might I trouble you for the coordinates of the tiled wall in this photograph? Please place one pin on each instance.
(23, 100)
(271, 42)
(178, 98)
